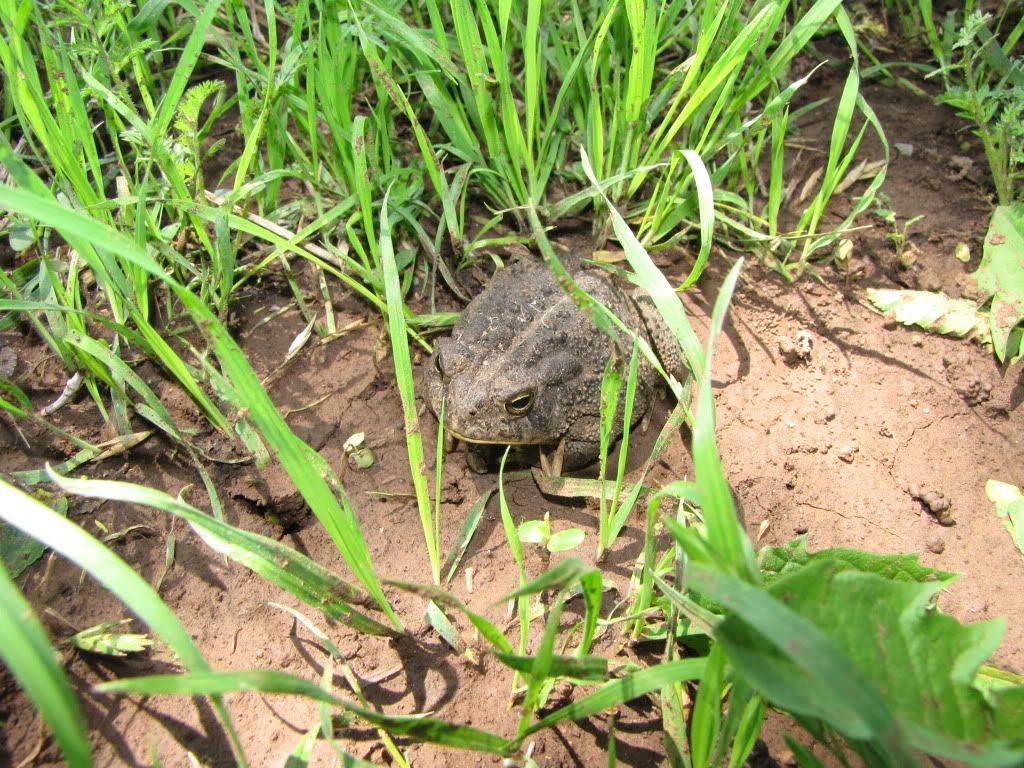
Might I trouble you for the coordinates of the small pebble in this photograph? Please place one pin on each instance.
(846, 453)
(935, 545)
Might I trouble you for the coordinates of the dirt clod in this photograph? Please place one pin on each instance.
(935, 544)
(797, 350)
(973, 387)
(960, 166)
(934, 502)
(847, 452)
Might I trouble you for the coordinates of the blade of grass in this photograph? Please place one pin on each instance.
(617, 692)
(281, 565)
(398, 334)
(417, 727)
(26, 650)
(61, 535)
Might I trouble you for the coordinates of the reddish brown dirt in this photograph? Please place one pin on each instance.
(829, 445)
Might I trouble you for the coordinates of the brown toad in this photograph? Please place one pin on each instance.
(523, 365)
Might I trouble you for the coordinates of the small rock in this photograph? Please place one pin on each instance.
(884, 431)
(800, 530)
(935, 545)
(847, 452)
(829, 414)
(904, 149)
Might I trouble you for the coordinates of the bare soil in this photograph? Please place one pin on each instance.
(833, 423)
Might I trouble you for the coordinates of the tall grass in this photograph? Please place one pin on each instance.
(633, 82)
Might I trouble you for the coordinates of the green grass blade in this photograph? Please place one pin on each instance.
(707, 708)
(617, 692)
(706, 210)
(268, 681)
(484, 626)
(561, 577)
(651, 278)
(578, 667)
(186, 65)
(281, 565)
(724, 532)
(465, 536)
(68, 539)
(29, 656)
(398, 334)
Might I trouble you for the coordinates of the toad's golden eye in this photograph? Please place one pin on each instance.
(519, 405)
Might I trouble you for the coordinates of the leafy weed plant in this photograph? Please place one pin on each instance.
(984, 83)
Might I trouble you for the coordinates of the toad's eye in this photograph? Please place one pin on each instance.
(438, 365)
(519, 405)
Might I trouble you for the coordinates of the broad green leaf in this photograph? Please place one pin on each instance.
(920, 662)
(934, 312)
(563, 541)
(1009, 503)
(535, 531)
(1001, 276)
(778, 561)
(21, 237)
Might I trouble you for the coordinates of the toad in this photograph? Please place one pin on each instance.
(524, 364)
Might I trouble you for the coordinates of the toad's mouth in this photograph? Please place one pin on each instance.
(449, 432)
